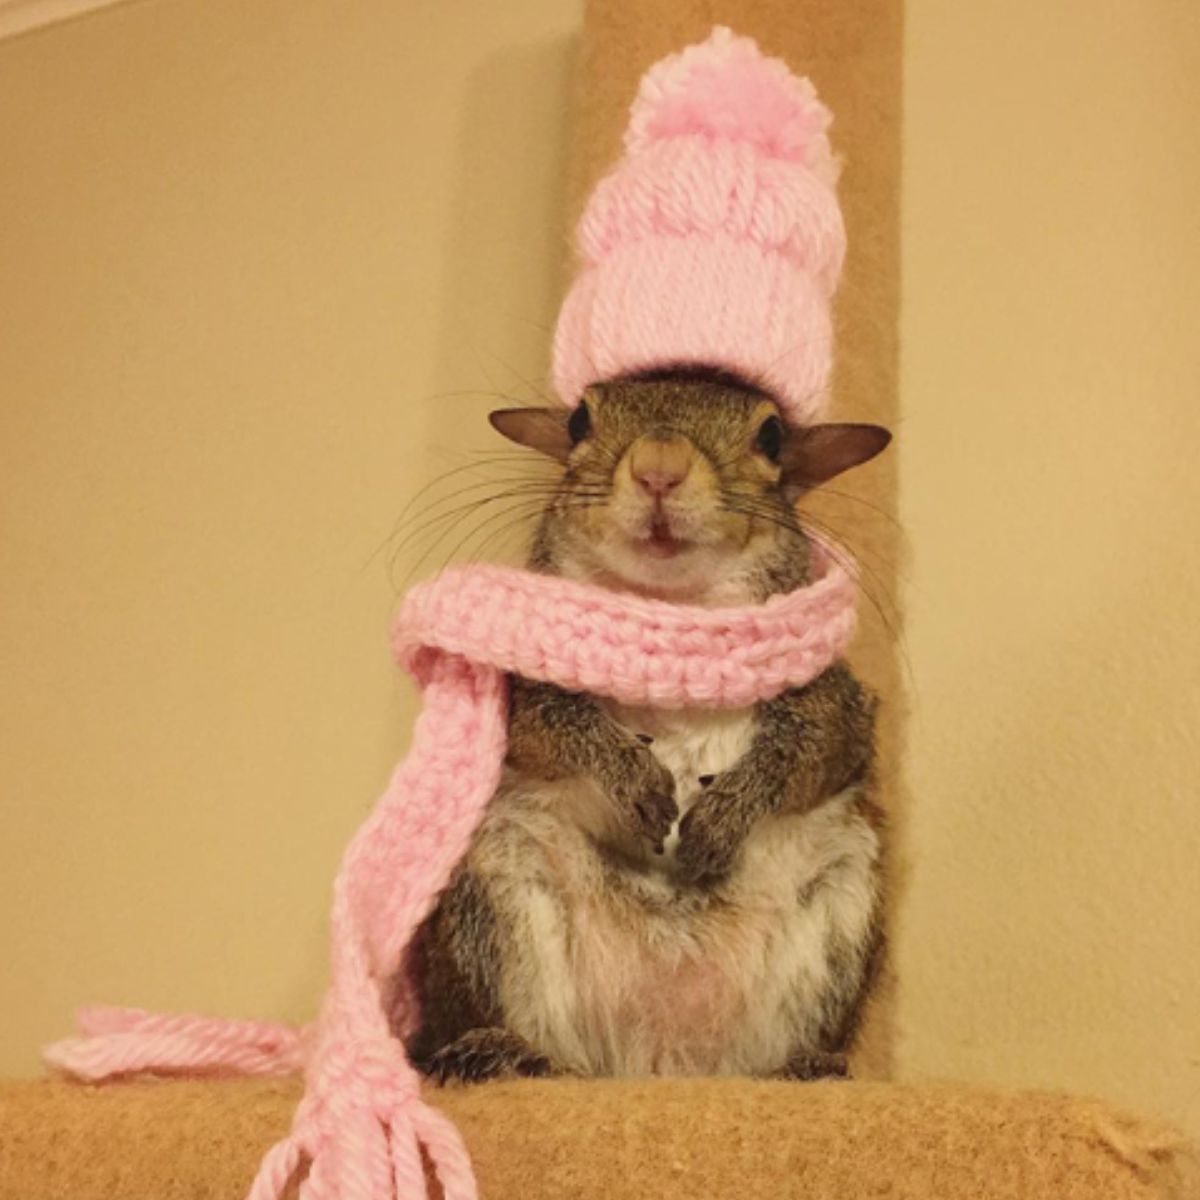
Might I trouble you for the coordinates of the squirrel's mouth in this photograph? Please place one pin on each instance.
(659, 541)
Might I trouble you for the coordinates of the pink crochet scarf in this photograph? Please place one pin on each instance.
(363, 1122)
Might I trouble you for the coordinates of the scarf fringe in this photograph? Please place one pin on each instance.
(361, 1136)
(125, 1041)
(365, 1152)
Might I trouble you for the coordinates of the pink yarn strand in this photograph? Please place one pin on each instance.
(317, 1184)
(124, 1041)
(444, 1145)
(276, 1171)
(407, 1169)
(95, 1019)
(359, 1157)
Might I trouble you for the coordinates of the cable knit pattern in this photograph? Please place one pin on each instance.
(718, 238)
(362, 1125)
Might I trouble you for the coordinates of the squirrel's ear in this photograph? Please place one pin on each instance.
(541, 429)
(815, 454)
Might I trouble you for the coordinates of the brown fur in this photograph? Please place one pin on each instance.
(670, 488)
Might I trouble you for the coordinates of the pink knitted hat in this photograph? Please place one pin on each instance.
(717, 239)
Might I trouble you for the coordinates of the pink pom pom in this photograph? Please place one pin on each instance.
(726, 87)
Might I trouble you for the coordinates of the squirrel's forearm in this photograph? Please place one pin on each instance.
(815, 741)
(553, 732)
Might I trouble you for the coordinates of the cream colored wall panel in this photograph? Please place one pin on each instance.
(1051, 496)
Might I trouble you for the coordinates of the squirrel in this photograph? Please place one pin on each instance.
(654, 892)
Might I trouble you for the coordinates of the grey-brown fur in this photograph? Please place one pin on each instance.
(580, 822)
(809, 743)
(553, 733)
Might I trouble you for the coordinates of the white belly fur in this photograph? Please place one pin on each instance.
(613, 969)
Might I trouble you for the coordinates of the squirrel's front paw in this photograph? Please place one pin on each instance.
(482, 1054)
(643, 791)
(815, 1064)
(712, 832)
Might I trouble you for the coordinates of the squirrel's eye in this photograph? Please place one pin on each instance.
(580, 423)
(770, 438)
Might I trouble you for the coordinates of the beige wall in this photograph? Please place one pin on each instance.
(248, 249)
(1051, 386)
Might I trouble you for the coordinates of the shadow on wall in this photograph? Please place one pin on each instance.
(505, 266)
(508, 250)
(503, 272)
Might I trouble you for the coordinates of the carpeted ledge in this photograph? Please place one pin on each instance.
(603, 1140)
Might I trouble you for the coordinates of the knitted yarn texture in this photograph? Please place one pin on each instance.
(717, 239)
(363, 1122)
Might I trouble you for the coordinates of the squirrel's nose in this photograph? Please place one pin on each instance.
(659, 466)
(658, 483)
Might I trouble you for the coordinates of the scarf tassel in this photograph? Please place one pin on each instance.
(362, 1156)
(352, 1152)
(124, 1041)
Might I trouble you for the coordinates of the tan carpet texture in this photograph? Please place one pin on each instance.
(603, 1140)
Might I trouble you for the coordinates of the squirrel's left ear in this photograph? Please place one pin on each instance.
(541, 429)
(814, 454)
